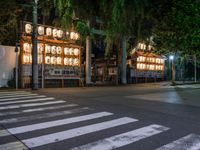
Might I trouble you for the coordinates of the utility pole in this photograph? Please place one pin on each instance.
(195, 68)
(123, 71)
(88, 59)
(34, 47)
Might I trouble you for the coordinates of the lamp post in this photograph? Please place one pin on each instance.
(16, 66)
(195, 68)
(171, 57)
(34, 47)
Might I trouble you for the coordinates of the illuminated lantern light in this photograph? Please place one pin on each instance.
(66, 61)
(59, 50)
(26, 59)
(158, 60)
(41, 30)
(26, 47)
(76, 62)
(53, 60)
(39, 59)
(59, 60)
(55, 34)
(40, 48)
(48, 31)
(138, 65)
(47, 49)
(53, 49)
(74, 36)
(47, 60)
(71, 61)
(28, 28)
(66, 51)
(161, 67)
(60, 33)
(67, 33)
(30, 58)
(71, 51)
(76, 51)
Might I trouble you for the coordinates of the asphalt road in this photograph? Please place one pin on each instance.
(133, 117)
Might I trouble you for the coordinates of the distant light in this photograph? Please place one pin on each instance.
(171, 57)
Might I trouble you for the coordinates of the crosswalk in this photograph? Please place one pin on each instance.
(38, 121)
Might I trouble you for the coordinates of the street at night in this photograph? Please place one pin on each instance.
(140, 117)
(100, 75)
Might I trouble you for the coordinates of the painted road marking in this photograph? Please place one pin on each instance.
(189, 142)
(13, 146)
(124, 138)
(37, 109)
(27, 100)
(4, 133)
(14, 92)
(16, 98)
(55, 123)
(60, 136)
(20, 95)
(28, 105)
(45, 115)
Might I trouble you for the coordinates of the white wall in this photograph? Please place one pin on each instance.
(7, 64)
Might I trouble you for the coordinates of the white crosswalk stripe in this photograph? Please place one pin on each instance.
(28, 105)
(49, 124)
(60, 136)
(14, 92)
(18, 95)
(13, 146)
(27, 100)
(20, 98)
(44, 115)
(189, 142)
(123, 139)
(36, 109)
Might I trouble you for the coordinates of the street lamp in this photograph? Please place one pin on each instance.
(171, 57)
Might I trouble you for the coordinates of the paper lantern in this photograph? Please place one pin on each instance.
(39, 59)
(53, 50)
(71, 61)
(66, 61)
(40, 48)
(71, 51)
(41, 30)
(53, 60)
(60, 33)
(48, 31)
(26, 47)
(28, 28)
(76, 62)
(30, 58)
(47, 60)
(59, 50)
(76, 51)
(55, 32)
(59, 60)
(26, 58)
(66, 51)
(47, 49)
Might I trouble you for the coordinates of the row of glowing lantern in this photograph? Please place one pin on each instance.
(52, 49)
(57, 33)
(150, 59)
(142, 66)
(53, 60)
